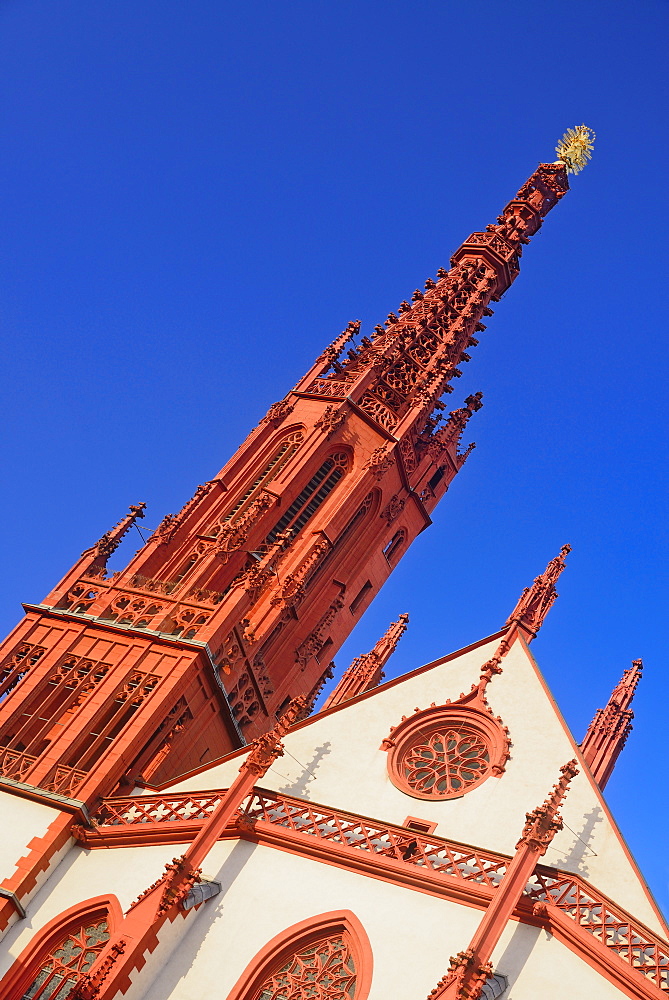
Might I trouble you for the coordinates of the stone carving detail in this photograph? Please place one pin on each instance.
(543, 823)
(293, 588)
(63, 971)
(169, 525)
(378, 411)
(14, 667)
(464, 979)
(536, 601)
(314, 641)
(232, 536)
(330, 387)
(366, 671)
(278, 412)
(380, 461)
(266, 749)
(331, 419)
(323, 970)
(393, 508)
(111, 540)
(608, 731)
(408, 455)
(446, 762)
(244, 698)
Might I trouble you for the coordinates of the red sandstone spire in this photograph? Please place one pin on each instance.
(470, 969)
(609, 729)
(237, 604)
(366, 671)
(536, 601)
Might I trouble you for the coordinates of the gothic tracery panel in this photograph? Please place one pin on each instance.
(325, 957)
(62, 969)
(443, 752)
(324, 970)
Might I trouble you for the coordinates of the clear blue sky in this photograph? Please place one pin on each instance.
(197, 197)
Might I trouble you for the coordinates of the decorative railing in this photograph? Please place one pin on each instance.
(611, 926)
(138, 607)
(17, 765)
(157, 809)
(330, 387)
(64, 780)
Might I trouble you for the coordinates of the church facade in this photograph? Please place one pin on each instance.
(181, 821)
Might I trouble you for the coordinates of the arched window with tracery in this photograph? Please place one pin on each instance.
(312, 496)
(276, 464)
(61, 955)
(325, 958)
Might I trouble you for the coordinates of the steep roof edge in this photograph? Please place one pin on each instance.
(424, 669)
(317, 716)
(597, 790)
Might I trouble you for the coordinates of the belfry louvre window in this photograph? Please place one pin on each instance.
(322, 971)
(311, 497)
(279, 460)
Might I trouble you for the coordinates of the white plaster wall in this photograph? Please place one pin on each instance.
(336, 761)
(265, 891)
(83, 875)
(411, 934)
(22, 821)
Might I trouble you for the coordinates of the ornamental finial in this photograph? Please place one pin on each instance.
(574, 148)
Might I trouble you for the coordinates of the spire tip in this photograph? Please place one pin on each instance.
(575, 148)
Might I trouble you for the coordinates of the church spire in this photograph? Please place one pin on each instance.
(610, 727)
(536, 601)
(366, 671)
(237, 604)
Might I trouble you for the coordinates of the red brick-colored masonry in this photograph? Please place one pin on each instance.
(237, 604)
(42, 851)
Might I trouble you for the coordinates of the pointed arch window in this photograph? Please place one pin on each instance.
(324, 970)
(392, 549)
(60, 956)
(276, 464)
(64, 967)
(312, 496)
(325, 958)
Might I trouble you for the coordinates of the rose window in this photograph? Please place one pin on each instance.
(443, 752)
(321, 971)
(446, 762)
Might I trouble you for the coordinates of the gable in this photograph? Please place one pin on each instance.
(336, 759)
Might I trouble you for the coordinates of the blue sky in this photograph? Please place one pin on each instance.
(197, 197)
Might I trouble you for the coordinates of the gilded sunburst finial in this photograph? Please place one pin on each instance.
(574, 148)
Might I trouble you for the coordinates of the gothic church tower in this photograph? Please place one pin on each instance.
(143, 713)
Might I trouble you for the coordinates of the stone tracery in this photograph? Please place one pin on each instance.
(324, 970)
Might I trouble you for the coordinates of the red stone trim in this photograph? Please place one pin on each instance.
(597, 790)
(417, 825)
(420, 862)
(393, 682)
(41, 851)
(417, 728)
(17, 978)
(300, 935)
